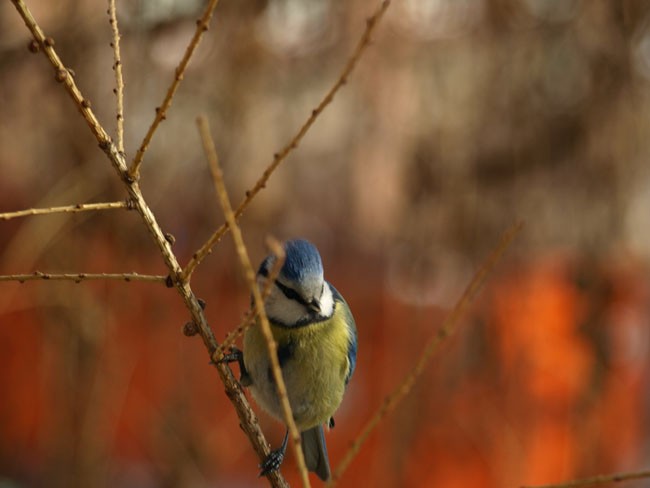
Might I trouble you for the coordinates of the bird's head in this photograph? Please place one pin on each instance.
(300, 293)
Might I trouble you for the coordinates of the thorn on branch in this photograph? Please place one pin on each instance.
(128, 178)
(85, 103)
(105, 145)
(170, 238)
(190, 329)
(34, 46)
(202, 303)
(200, 23)
(162, 115)
(61, 75)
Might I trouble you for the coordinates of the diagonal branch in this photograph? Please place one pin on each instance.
(363, 43)
(448, 327)
(249, 274)
(80, 207)
(247, 417)
(62, 74)
(252, 314)
(161, 112)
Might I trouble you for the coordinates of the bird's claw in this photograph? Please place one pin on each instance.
(234, 355)
(272, 461)
(275, 457)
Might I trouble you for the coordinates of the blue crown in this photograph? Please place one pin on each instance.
(302, 260)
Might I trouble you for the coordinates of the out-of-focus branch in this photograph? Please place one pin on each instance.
(79, 277)
(448, 327)
(80, 207)
(249, 274)
(119, 80)
(364, 42)
(597, 480)
(251, 315)
(161, 112)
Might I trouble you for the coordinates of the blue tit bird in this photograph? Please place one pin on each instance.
(316, 345)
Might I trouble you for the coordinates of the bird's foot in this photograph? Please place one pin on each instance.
(275, 458)
(236, 355)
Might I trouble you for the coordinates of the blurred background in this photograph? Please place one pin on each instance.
(462, 117)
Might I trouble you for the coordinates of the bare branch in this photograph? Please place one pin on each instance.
(249, 274)
(247, 417)
(62, 74)
(161, 112)
(448, 327)
(80, 207)
(119, 80)
(597, 480)
(250, 277)
(251, 315)
(363, 43)
(79, 277)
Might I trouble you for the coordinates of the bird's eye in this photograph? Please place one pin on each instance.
(290, 293)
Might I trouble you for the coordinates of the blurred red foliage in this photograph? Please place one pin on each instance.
(545, 383)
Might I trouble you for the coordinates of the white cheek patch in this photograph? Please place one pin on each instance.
(280, 309)
(326, 301)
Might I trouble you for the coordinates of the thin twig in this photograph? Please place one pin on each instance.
(61, 73)
(597, 480)
(119, 80)
(251, 315)
(80, 207)
(79, 277)
(161, 112)
(280, 156)
(247, 418)
(448, 327)
(249, 274)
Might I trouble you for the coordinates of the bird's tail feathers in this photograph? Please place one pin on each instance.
(315, 451)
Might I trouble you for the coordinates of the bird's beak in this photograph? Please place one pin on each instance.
(315, 305)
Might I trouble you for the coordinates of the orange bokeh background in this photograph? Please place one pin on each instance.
(460, 119)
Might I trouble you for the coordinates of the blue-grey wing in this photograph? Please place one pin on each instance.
(352, 345)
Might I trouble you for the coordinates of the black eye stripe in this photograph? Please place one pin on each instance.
(291, 294)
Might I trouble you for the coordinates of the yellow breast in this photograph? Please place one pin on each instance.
(314, 371)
